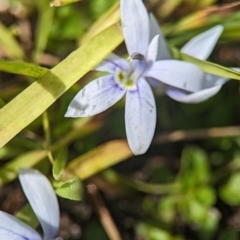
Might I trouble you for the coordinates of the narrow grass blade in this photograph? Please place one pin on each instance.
(22, 68)
(10, 44)
(209, 67)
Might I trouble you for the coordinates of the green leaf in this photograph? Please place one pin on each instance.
(196, 212)
(60, 163)
(151, 232)
(210, 224)
(34, 100)
(22, 68)
(27, 216)
(166, 209)
(206, 195)
(10, 44)
(206, 66)
(71, 189)
(194, 167)
(230, 192)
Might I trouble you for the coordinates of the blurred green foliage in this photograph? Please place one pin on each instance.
(188, 189)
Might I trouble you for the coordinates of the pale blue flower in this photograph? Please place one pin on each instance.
(43, 201)
(130, 78)
(199, 47)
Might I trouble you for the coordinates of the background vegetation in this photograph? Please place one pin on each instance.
(187, 186)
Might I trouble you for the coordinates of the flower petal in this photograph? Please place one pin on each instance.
(135, 24)
(140, 117)
(113, 63)
(202, 45)
(13, 229)
(42, 199)
(163, 52)
(197, 97)
(211, 86)
(211, 80)
(96, 97)
(176, 73)
(153, 49)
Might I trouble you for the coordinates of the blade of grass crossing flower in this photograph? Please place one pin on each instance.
(10, 44)
(22, 110)
(206, 66)
(22, 68)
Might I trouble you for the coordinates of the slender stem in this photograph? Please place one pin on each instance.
(181, 135)
(150, 188)
(47, 133)
(104, 214)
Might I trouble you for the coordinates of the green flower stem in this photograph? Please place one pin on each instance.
(149, 188)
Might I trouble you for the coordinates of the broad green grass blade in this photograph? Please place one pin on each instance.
(34, 100)
(44, 26)
(9, 43)
(206, 66)
(22, 68)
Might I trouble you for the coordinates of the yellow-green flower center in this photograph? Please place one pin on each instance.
(125, 80)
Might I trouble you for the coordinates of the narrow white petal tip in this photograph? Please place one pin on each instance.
(140, 117)
(71, 113)
(135, 24)
(42, 199)
(219, 28)
(141, 150)
(205, 41)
